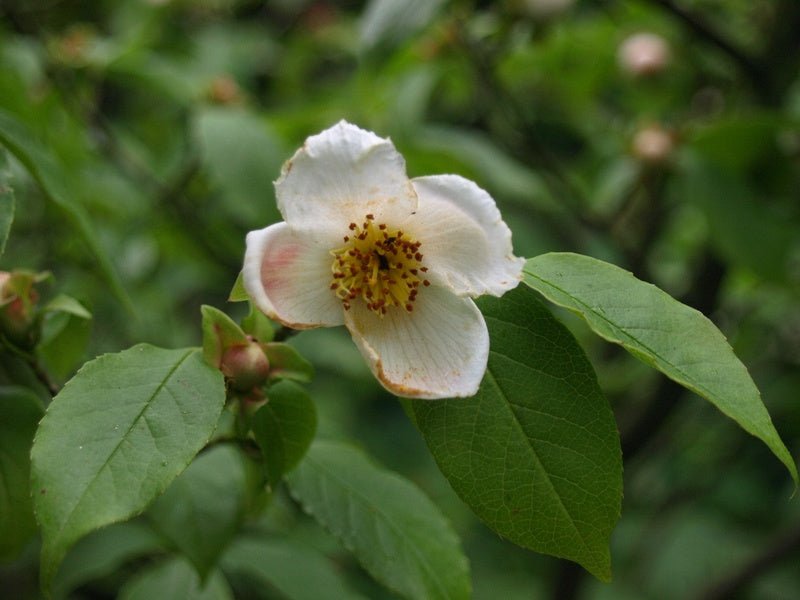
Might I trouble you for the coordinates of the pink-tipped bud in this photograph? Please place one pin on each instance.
(643, 54)
(246, 366)
(653, 145)
(18, 300)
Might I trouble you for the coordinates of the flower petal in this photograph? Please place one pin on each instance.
(288, 275)
(466, 243)
(437, 351)
(341, 175)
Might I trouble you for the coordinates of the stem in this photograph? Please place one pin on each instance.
(284, 333)
(569, 581)
(651, 221)
(774, 553)
(44, 377)
(754, 72)
(781, 57)
(33, 364)
(555, 176)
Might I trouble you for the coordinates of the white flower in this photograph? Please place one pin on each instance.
(394, 260)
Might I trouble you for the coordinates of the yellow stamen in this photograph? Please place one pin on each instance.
(379, 265)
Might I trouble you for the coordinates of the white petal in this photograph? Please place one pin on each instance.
(341, 175)
(288, 278)
(465, 242)
(437, 351)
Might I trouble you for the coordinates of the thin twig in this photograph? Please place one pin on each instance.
(33, 363)
(772, 555)
(284, 333)
(757, 76)
(555, 175)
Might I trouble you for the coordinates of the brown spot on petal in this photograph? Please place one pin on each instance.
(395, 387)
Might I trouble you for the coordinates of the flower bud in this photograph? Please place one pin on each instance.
(245, 366)
(18, 299)
(224, 90)
(653, 145)
(643, 54)
(74, 47)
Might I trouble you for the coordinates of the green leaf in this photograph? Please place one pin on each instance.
(535, 453)
(63, 344)
(220, 332)
(115, 437)
(20, 411)
(258, 325)
(286, 363)
(243, 157)
(394, 530)
(297, 572)
(65, 334)
(202, 509)
(67, 304)
(740, 141)
(238, 293)
(667, 335)
(744, 227)
(501, 172)
(175, 579)
(103, 552)
(46, 172)
(6, 206)
(284, 428)
(390, 22)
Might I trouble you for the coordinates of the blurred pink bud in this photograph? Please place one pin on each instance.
(224, 90)
(643, 54)
(653, 145)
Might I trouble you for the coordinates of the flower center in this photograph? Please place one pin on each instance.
(381, 265)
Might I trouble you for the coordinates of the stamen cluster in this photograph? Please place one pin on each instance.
(381, 265)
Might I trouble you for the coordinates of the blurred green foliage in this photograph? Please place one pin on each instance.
(160, 125)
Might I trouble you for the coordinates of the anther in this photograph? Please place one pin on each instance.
(382, 266)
